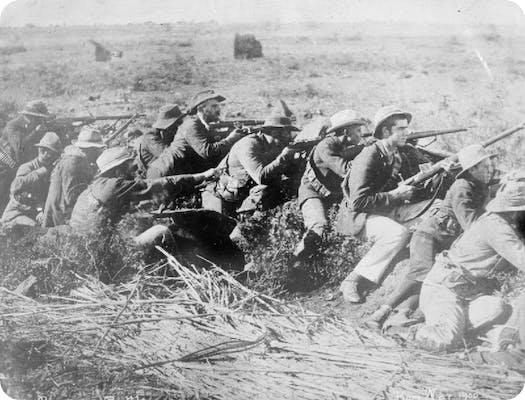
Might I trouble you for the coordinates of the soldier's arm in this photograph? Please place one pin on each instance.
(26, 178)
(252, 160)
(205, 146)
(362, 198)
(506, 242)
(338, 161)
(462, 200)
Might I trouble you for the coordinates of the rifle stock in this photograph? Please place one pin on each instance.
(122, 128)
(438, 167)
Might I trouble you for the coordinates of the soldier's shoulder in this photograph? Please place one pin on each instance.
(190, 123)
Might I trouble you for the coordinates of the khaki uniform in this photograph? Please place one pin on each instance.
(455, 292)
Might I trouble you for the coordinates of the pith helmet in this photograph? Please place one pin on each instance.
(36, 109)
(203, 96)
(471, 156)
(386, 112)
(168, 115)
(112, 158)
(50, 141)
(89, 138)
(511, 194)
(344, 118)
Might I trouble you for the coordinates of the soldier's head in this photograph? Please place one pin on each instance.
(510, 198)
(206, 105)
(116, 162)
(278, 129)
(477, 162)
(49, 148)
(168, 120)
(36, 112)
(90, 143)
(391, 124)
(349, 125)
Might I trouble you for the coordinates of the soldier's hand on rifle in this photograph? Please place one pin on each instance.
(403, 192)
(288, 152)
(448, 165)
(212, 173)
(236, 134)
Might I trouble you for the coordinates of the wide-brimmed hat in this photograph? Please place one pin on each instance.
(89, 138)
(168, 115)
(203, 96)
(344, 118)
(386, 112)
(50, 141)
(36, 109)
(511, 194)
(471, 156)
(112, 158)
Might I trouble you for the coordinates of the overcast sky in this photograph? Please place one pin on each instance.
(228, 11)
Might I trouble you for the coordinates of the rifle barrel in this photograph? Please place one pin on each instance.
(502, 135)
(100, 118)
(232, 123)
(424, 134)
(423, 176)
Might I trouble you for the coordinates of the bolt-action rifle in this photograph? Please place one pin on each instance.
(124, 126)
(90, 119)
(425, 134)
(235, 123)
(439, 166)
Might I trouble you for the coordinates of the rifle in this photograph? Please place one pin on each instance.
(234, 123)
(425, 134)
(89, 119)
(122, 128)
(304, 145)
(438, 167)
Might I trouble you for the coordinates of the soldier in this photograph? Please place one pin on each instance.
(326, 167)
(16, 144)
(463, 204)
(455, 297)
(153, 143)
(253, 170)
(373, 209)
(72, 174)
(31, 183)
(194, 148)
(109, 196)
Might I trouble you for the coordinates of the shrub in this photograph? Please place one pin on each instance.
(270, 239)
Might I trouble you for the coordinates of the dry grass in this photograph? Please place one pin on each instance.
(206, 335)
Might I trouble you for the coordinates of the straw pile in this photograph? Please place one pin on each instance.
(205, 335)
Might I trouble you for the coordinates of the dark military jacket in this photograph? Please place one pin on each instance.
(328, 164)
(106, 200)
(194, 149)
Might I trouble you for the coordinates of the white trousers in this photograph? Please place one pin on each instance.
(448, 317)
(389, 238)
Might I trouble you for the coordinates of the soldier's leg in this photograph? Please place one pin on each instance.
(445, 319)
(315, 222)
(157, 235)
(486, 311)
(422, 255)
(389, 239)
